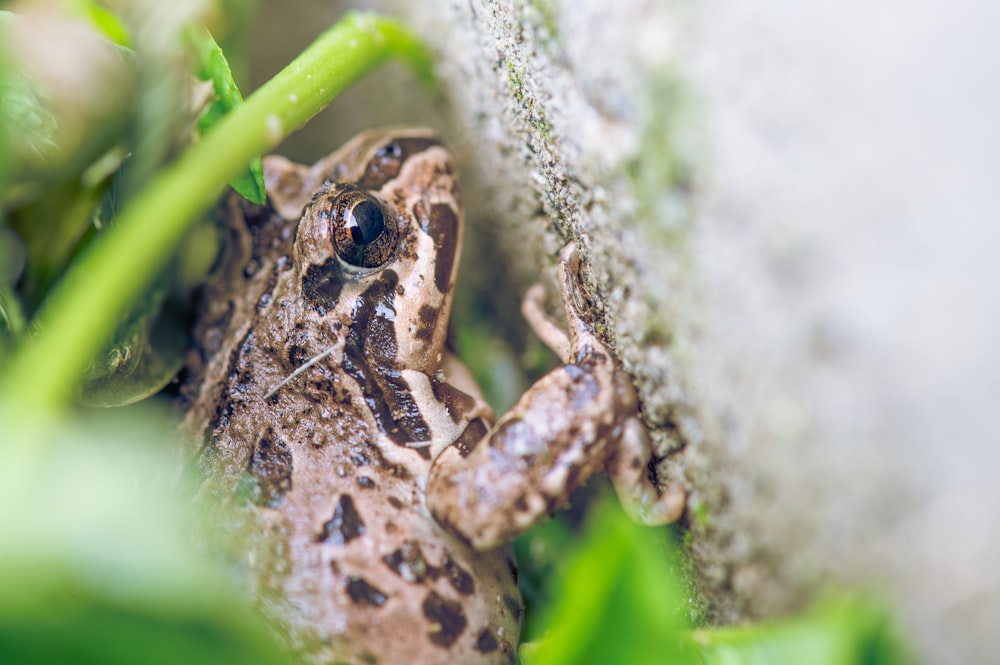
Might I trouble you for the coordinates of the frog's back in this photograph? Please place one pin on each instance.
(349, 558)
(337, 544)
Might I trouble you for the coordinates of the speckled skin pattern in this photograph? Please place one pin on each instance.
(375, 499)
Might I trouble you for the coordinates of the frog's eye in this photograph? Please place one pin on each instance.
(364, 230)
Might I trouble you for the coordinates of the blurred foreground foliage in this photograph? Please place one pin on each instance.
(103, 110)
(100, 560)
(87, 124)
(613, 594)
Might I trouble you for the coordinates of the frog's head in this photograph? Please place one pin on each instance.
(377, 245)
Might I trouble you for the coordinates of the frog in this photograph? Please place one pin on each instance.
(375, 493)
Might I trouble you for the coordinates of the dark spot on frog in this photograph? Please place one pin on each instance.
(459, 578)
(265, 225)
(590, 359)
(321, 285)
(364, 482)
(446, 523)
(359, 457)
(428, 317)
(486, 642)
(320, 389)
(251, 268)
(441, 224)
(513, 605)
(457, 402)
(636, 463)
(368, 658)
(470, 438)
(363, 593)
(369, 452)
(387, 161)
(370, 359)
(473, 434)
(271, 465)
(217, 331)
(446, 617)
(395, 503)
(512, 566)
(265, 298)
(408, 562)
(225, 404)
(653, 474)
(296, 355)
(240, 369)
(345, 525)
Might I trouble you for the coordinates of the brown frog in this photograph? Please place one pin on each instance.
(354, 450)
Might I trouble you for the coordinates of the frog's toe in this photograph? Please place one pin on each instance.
(575, 302)
(628, 472)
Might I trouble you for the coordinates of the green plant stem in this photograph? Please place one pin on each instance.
(83, 309)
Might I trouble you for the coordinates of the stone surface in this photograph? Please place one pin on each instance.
(788, 211)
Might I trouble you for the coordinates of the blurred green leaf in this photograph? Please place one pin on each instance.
(29, 127)
(106, 22)
(540, 554)
(845, 629)
(97, 563)
(212, 66)
(616, 600)
(56, 131)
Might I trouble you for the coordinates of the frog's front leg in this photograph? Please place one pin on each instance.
(575, 421)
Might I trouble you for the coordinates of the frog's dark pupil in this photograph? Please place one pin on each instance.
(369, 223)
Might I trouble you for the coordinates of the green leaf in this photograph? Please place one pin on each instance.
(107, 23)
(250, 183)
(615, 601)
(96, 563)
(844, 629)
(213, 66)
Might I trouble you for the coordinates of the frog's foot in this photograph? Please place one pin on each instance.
(581, 332)
(629, 474)
(582, 336)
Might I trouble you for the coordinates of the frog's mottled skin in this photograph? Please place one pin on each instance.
(336, 427)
